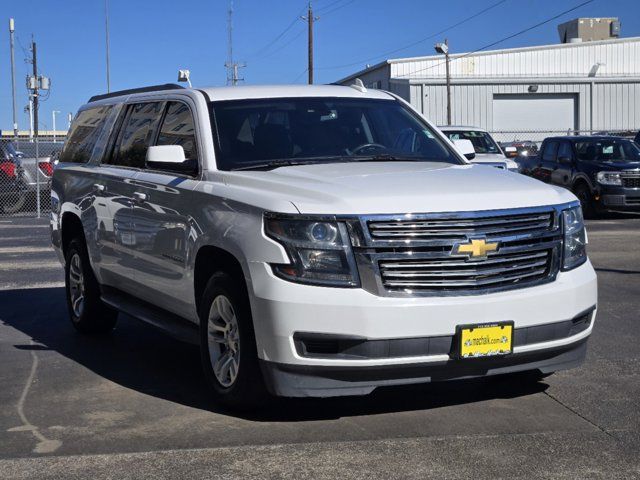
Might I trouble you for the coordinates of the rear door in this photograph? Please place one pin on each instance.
(161, 221)
(547, 161)
(117, 240)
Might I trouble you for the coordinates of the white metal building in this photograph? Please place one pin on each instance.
(589, 86)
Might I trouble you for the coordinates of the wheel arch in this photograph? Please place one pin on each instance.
(582, 180)
(210, 259)
(71, 227)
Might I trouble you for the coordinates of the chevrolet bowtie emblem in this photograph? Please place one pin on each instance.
(476, 249)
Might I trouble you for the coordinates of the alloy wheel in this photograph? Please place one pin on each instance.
(76, 285)
(224, 341)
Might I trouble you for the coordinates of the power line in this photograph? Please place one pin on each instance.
(417, 42)
(281, 47)
(300, 75)
(323, 11)
(280, 35)
(555, 17)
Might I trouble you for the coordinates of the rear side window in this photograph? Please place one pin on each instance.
(178, 129)
(565, 150)
(84, 133)
(550, 152)
(136, 134)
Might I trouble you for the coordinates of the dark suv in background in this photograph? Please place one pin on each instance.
(602, 171)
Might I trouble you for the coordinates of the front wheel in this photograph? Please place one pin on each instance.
(583, 192)
(227, 344)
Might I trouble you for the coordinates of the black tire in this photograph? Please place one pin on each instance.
(246, 390)
(583, 192)
(91, 315)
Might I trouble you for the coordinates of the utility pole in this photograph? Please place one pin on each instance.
(444, 48)
(35, 83)
(13, 78)
(34, 61)
(233, 77)
(310, 19)
(106, 31)
(35, 121)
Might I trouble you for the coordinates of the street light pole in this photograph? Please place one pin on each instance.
(53, 117)
(446, 59)
(444, 48)
(106, 28)
(13, 78)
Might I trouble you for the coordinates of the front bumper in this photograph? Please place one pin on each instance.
(619, 198)
(282, 309)
(314, 381)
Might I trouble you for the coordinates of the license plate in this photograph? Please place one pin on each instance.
(485, 340)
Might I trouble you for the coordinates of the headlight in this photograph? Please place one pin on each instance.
(575, 239)
(609, 178)
(320, 251)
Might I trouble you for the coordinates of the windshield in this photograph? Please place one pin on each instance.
(273, 132)
(608, 150)
(482, 141)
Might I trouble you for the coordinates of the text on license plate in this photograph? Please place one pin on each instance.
(485, 340)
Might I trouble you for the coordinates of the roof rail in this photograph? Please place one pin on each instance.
(152, 88)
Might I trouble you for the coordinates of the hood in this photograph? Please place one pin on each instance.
(397, 187)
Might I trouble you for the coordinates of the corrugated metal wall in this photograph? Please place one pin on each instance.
(618, 58)
(616, 106)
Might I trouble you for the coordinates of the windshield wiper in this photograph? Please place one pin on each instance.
(275, 164)
(386, 157)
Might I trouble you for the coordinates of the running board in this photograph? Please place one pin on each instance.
(178, 327)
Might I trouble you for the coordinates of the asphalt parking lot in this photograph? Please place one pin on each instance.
(133, 404)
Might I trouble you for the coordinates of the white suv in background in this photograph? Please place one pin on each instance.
(315, 241)
(487, 151)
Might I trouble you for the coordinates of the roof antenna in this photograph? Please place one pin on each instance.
(358, 85)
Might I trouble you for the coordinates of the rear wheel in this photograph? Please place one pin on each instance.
(228, 345)
(583, 192)
(88, 313)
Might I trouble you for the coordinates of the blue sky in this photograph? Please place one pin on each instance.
(151, 40)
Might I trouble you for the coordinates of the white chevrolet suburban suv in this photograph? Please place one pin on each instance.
(315, 241)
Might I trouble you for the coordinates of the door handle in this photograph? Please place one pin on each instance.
(99, 187)
(140, 197)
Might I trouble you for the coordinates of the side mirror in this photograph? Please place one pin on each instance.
(564, 160)
(465, 147)
(169, 157)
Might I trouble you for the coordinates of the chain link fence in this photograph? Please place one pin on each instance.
(537, 136)
(26, 167)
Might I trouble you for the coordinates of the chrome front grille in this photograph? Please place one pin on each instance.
(418, 254)
(500, 270)
(409, 229)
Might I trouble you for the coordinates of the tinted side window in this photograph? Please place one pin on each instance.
(84, 133)
(136, 134)
(178, 129)
(565, 150)
(550, 152)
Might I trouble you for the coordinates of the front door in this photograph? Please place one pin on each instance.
(162, 224)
